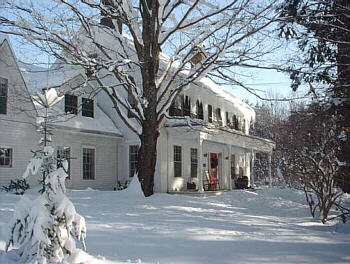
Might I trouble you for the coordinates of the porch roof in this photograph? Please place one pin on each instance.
(222, 135)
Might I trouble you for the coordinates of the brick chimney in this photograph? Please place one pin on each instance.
(107, 21)
(198, 56)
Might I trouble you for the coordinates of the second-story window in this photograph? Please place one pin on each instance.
(228, 123)
(3, 95)
(210, 114)
(234, 122)
(200, 110)
(71, 104)
(176, 108)
(131, 101)
(87, 108)
(187, 107)
(218, 116)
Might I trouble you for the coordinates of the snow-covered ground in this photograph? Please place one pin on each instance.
(265, 226)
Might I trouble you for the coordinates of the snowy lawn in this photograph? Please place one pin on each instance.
(265, 226)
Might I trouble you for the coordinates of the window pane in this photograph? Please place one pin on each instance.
(6, 157)
(194, 162)
(87, 107)
(88, 164)
(63, 153)
(71, 104)
(177, 161)
(3, 95)
(133, 158)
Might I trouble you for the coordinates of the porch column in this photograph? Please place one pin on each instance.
(270, 175)
(252, 154)
(200, 164)
(229, 167)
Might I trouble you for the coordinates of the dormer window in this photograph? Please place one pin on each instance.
(71, 104)
(177, 106)
(218, 116)
(87, 108)
(3, 95)
(210, 114)
(235, 122)
(187, 107)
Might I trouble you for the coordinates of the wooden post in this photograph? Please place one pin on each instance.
(200, 164)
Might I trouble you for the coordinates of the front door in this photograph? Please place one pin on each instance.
(214, 164)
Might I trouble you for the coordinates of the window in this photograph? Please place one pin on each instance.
(88, 164)
(233, 166)
(177, 161)
(199, 110)
(133, 157)
(228, 123)
(176, 108)
(235, 122)
(71, 104)
(218, 116)
(63, 153)
(210, 114)
(87, 108)
(194, 162)
(5, 157)
(3, 95)
(187, 107)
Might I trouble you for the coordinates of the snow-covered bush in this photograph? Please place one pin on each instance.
(18, 186)
(45, 229)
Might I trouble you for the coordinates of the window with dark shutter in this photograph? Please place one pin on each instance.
(71, 104)
(177, 161)
(3, 95)
(87, 108)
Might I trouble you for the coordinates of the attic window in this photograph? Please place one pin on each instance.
(210, 114)
(71, 104)
(234, 122)
(228, 123)
(3, 95)
(87, 107)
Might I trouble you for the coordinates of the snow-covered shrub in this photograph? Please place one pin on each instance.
(45, 229)
(18, 186)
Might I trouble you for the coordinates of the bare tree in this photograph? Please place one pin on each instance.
(310, 149)
(89, 34)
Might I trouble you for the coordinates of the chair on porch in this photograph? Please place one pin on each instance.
(211, 183)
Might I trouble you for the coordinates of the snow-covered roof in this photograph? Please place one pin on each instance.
(38, 78)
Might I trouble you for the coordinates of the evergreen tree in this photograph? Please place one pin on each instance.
(45, 229)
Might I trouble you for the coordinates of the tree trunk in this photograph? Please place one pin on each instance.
(148, 156)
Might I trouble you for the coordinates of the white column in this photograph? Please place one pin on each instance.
(252, 154)
(229, 167)
(200, 164)
(270, 175)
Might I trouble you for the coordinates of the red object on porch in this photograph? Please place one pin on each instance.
(213, 178)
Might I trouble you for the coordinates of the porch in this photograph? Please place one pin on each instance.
(219, 158)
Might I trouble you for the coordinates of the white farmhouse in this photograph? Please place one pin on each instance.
(203, 146)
